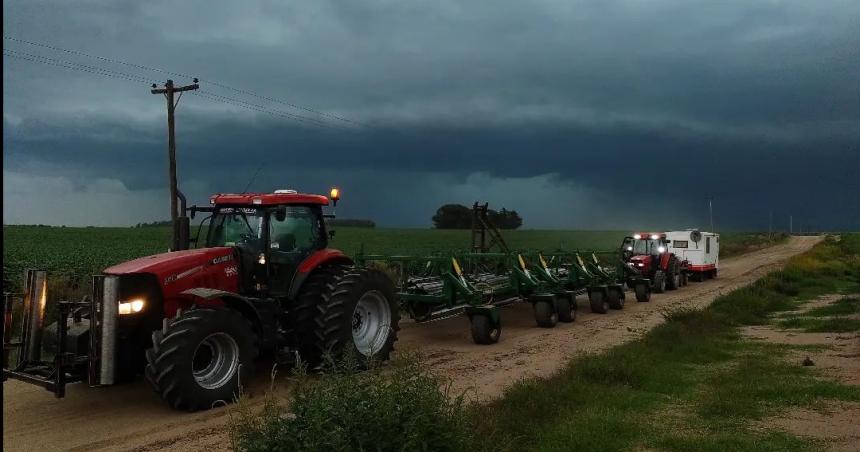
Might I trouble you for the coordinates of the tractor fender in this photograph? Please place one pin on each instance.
(260, 312)
(327, 256)
(664, 261)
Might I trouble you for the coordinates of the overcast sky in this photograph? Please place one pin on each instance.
(598, 114)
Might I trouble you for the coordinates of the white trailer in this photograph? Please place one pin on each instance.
(700, 250)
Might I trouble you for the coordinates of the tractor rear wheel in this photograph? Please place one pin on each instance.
(301, 314)
(643, 295)
(545, 314)
(599, 303)
(357, 313)
(484, 330)
(659, 281)
(615, 297)
(565, 305)
(201, 357)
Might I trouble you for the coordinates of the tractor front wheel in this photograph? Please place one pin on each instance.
(201, 357)
(659, 282)
(358, 313)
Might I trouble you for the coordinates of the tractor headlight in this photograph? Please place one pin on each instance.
(654, 236)
(629, 248)
(640, 264)
(661, 249)
(131, 307)
(637, 236)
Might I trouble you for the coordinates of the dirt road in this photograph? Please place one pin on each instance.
(131, 417)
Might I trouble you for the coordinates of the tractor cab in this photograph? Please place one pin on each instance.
(271, 233)
(644, 250)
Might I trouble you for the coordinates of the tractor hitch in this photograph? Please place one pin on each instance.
(48, 356)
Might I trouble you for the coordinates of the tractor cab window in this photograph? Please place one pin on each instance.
(234, 226)
(300, 230)
(646, 246)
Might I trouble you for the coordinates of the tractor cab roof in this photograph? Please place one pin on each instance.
(279, 197)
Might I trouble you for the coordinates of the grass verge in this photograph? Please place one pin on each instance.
(692, 383)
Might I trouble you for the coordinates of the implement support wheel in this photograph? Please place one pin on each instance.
(565, 305)
(484, 330)
(545, 314)
(599, 303)
(615, 297)
(643, 294)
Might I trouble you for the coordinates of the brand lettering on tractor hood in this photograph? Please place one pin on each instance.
(222, 259)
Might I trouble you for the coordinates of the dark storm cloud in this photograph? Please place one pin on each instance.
(648, 105)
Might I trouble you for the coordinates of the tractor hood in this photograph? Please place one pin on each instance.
(171, 262)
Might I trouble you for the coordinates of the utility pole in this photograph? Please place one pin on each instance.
(791, 224)
(711, 211)
(168, 91)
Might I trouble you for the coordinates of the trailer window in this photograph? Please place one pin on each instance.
(680, 244)
(707, 244)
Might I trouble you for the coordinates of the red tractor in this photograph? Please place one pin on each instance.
(648, 256)
(194, 321)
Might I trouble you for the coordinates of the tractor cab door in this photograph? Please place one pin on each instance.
(295, 232)
(627, 248)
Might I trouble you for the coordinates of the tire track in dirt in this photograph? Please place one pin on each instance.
(130, 417)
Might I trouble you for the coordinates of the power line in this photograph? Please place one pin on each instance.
(179, 74)
(74, 66)
(139, 79)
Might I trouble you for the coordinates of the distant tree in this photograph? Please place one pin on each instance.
(505, 219)
(453, 216)
(457, 216)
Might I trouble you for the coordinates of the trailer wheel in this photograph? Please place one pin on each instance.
(598, 302)
(484, 330)
(659, 281)
(545, 314)
(201, 357)
(358, 313)
(643, 295)
(615, 297)
(565, 305)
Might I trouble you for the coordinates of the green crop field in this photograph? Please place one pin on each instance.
(76, 253)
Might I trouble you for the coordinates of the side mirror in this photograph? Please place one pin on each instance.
(331, 234)
(281, 214)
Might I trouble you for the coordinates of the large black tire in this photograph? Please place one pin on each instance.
(673, 278)
(615, 297)
(484, 330)
(358, 313)
(659, 282)
(201, 358)
(303, 310)
(545, 314)
(643, 295)
(599, 303)
(684, 278)
(565, 305)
